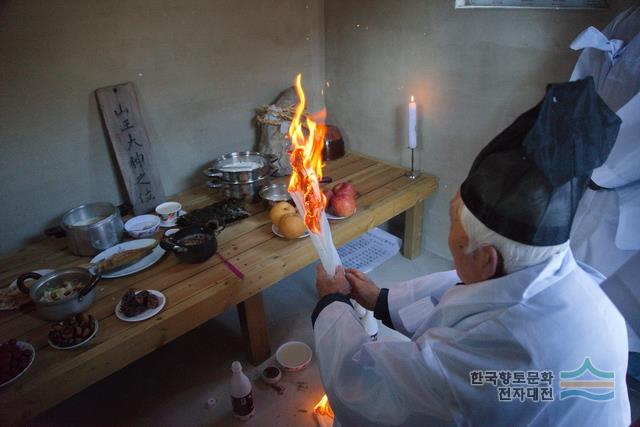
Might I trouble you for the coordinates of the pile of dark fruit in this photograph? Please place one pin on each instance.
(13, 360)
(133, 303)
(72, 331)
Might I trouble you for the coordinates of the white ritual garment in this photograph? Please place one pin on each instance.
(606, 229)
(548, 317)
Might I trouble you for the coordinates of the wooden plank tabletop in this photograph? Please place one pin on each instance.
(195, 292)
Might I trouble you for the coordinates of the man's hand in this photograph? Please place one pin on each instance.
(363, 290)
(330, 285)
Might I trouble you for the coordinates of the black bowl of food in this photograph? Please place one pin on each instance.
(195, 243)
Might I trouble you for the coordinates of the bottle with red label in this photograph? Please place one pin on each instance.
(241, 393)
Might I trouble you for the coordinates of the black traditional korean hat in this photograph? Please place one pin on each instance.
(527, 182)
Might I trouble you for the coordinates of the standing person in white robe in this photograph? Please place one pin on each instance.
(490, 351)
(606, 230)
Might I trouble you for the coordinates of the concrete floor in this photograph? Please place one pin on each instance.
(171, 386)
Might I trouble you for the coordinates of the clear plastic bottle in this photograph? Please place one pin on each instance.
(241, 393)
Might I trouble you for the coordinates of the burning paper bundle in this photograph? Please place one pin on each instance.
(304, 185)
(323, 413)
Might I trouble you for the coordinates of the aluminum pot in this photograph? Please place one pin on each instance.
(240, 191)
(241, 167)
(92, 228)
(66, 307)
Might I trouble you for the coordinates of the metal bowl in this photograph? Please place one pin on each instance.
(274, 193)
(63, 308)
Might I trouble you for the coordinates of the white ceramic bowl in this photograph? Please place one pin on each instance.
(142, 226)
(294, 355)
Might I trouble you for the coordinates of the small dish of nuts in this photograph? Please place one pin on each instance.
(73, 332)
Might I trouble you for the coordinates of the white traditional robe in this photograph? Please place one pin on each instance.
(606, 227)
(606, 231)
(548, 317)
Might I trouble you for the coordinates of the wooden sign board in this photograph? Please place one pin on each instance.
(121, 114)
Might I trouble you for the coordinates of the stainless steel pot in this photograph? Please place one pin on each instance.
(241, 191)
(66, 307)
(241, 167)
(92, 228)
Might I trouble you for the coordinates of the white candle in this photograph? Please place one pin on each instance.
(412, 123)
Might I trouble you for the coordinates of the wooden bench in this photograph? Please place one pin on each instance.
(195, 293)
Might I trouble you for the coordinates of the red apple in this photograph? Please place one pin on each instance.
(329, 195)
(343, 204)
(345, 188)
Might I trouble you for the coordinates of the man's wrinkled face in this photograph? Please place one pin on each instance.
(475, 266)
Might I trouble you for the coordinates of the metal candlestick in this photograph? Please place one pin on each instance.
(412, 174)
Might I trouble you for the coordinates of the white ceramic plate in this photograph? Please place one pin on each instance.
(41, 272)
(148, 314)
(173, 223)
(22, 345)
(96, 325)
(335, 217)
(277, 232)
(294, 355)
(145, 262)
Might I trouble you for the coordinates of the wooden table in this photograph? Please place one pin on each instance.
(195, 293)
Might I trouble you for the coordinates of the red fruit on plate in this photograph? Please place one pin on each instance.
(343, 204)
(329, 195)
(344, 188)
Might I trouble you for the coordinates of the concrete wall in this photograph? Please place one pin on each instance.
(472, 72)
(201, 68)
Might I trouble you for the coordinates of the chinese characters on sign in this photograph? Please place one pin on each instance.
(136, 157)
(536, 386)
(131, 144)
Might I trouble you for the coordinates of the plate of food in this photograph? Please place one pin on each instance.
(278, 233)
(74, 332)
(286, 222)
(341, 201)
(136, 306)
(16, 357)
(154, 255)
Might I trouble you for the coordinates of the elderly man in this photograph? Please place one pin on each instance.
(510, 337)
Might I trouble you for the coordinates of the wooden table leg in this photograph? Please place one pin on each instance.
(253, 322)
(413, 231)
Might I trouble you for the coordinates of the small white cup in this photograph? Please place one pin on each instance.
(168, 212)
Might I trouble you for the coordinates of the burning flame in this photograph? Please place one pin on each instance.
(306, 161)
(323, 407)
